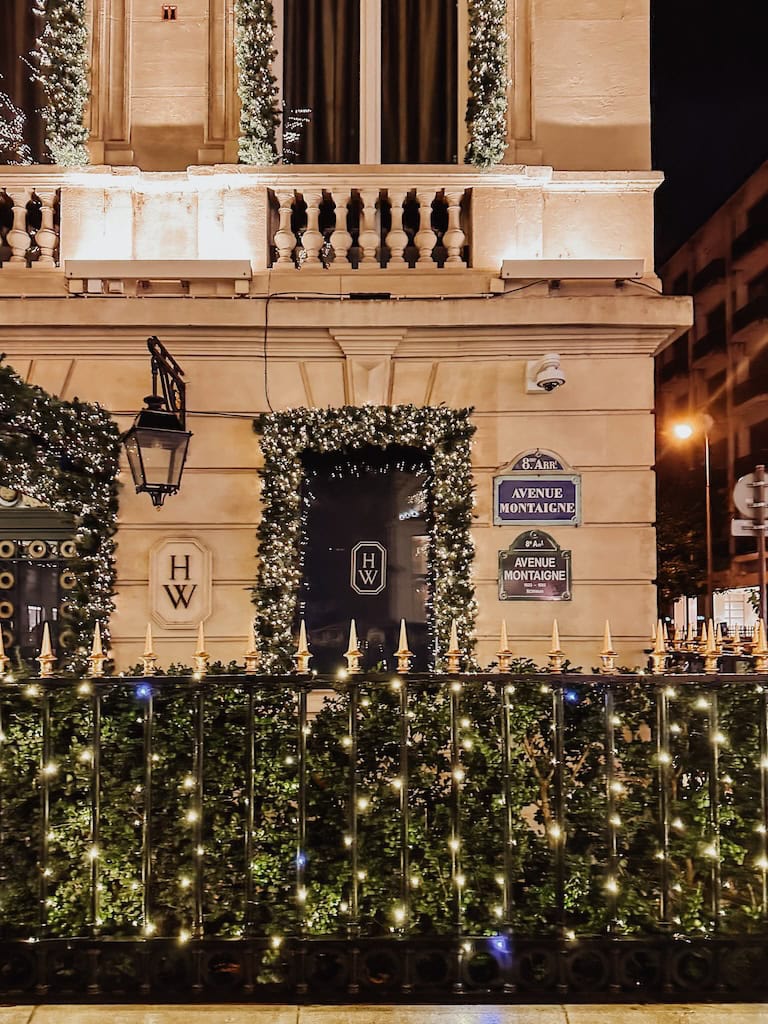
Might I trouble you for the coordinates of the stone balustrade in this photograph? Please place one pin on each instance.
(390, 227)
(406, 220)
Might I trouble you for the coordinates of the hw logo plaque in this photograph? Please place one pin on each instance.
(368, 568)
(180, 583)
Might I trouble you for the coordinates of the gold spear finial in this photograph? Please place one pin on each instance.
(403, 655)
(46, 658)
(607, 655)
(556, 656)
(353, 653)
(97, 657)
(201, 656)
(149, 658)
(504, 654)
(251, 654)
(659, 653)
(760, 653)
(710, 650)
(302, 654)
(453, 654)
(703, 637)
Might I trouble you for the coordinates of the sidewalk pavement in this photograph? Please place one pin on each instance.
(692, 1013)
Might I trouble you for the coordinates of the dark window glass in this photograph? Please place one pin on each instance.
(321, 81)
(365, 554)
(680, 284)
(716, 318)
(418, 81)
(757, 215)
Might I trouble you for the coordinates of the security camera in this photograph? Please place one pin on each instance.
(544, 374)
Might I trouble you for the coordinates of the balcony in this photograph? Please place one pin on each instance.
(713, 273)
(312, 223)
(749, 321)
(748, 389)
(678, 364)
(713, 341)
(750, 247)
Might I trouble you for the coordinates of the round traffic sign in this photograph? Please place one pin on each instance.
(744, 494)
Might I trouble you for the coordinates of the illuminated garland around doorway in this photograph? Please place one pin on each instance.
(65, 454)
(487, 104)
(444, 434)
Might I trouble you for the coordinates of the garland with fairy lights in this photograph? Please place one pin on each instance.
(65, 454)
(60, 64)
(444, 434)
(257, 86)
(487, 104)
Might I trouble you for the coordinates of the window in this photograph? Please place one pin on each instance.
(35, 548)
(369, 82)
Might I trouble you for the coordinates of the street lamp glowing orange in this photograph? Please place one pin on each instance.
(682, 431)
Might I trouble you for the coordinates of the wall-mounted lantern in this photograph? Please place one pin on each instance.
(156, 444)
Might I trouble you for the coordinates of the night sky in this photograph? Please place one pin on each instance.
(710, 107)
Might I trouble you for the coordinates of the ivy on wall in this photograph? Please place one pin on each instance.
(65, 455)
(60, 64)
(257, 86)
(445, 434)
(487, 104)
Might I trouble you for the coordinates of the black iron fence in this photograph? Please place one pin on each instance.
(477, 836)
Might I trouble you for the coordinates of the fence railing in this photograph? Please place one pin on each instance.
(389, 836)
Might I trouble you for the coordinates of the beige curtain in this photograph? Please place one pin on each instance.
(418, 81)
(321, 76)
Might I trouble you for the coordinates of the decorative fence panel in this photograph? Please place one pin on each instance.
(413, 837)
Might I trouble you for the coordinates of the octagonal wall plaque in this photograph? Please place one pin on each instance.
(180, 582)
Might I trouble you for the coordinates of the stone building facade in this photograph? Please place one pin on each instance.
(269, 299)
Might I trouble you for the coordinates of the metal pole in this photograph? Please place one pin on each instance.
(558, 716)
(146, 824)
(612, 812)
(353, 924)
(709, 603)
(507, 690)
(714, 808)
(95, 811)
(663, 763)
(405, 849)
(249, 811)
(763, 697)
(758, 505)
(197, 831)
(46, 768)
(301, 837)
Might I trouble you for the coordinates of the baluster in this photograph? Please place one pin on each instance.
(612, 881)
(663, 768)
(457, 875)
(47, 771)
(368, 238)
(353, 924)
(46, 236)
(454, 237)
(312, 239)
(248, 924)
(341, 239)
(397, 237)
(18, 237)
(425, 238)
(285, 240)
(763, 827)
(148, 925)
(95, 830)
(199, 766)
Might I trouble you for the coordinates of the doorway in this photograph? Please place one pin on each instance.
(365, 547)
